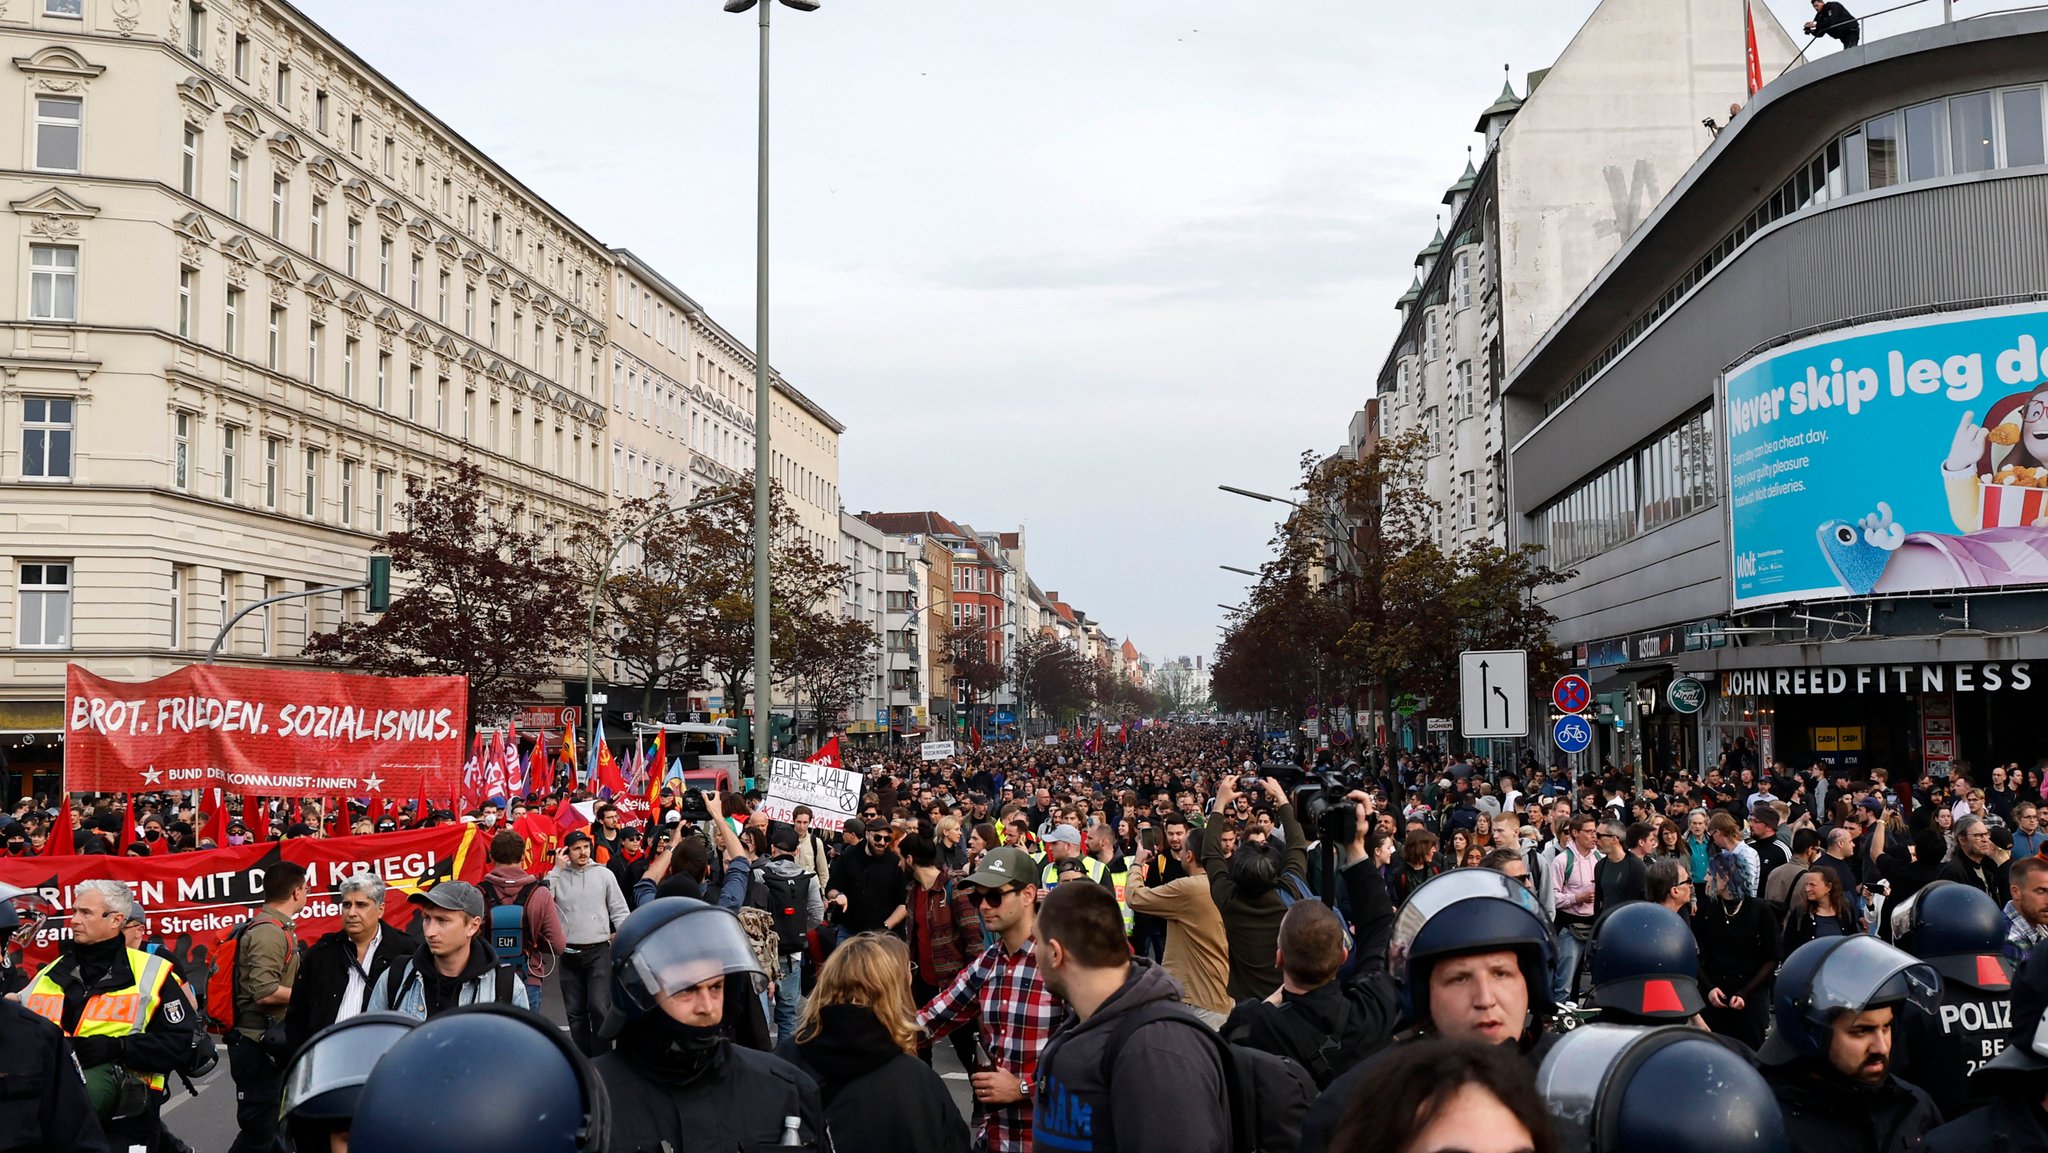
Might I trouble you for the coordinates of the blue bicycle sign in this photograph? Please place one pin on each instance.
(1572, 734)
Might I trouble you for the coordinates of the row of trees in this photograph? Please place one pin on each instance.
(507, 608)
(1390, 619)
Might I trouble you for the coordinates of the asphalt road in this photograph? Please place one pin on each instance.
(207, 1122)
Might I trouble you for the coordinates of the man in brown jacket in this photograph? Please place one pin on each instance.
(1197, 952)
(266, 965)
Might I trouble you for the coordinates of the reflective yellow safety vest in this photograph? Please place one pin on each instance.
(1089, 865)
(1122, 881)
(112, 1014)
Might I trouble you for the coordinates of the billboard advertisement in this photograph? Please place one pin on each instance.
(1908, 456)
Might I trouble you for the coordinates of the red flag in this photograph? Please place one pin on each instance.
(608, 770)
(515, 771)
(657, 772)
(568, 817)
(338, 816)
(1756, 64)
(1123, 736)
(541, 838)
(1098, 735)
(127, 826)
(62, 841)
(376, 812)
(216, 828)
(256, 817)
(569, 754)
(829, 754)
(974, 739)
(540, 772)
(422, 806)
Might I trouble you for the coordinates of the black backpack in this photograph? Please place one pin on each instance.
(505, 921)
(1269, 1094)
(784, 899)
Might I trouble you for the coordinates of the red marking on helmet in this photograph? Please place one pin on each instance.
(1661, 997)
(1991, 974)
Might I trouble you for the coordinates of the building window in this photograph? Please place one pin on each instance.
(383, 381)
(284, 86)
(380, 488)
(231, 332)
(419, 177)
(59, 122)
(348, 367)
(177, 606)
(1470, 484)
(229, 438)
(227, 597)
(352, 242)
(348, 493)
(491, 428)
(311, 505)
(280, 193)
(418, 269)
(241, 57)
(469, 215)
(187, 279)
(497, 231)
(384, 266)
(441, 296)
(195, 32)
(468, 414)
(314, 235)
(45, 592)
(441, 404)
(46, 438)
(69, 9)
(320, 111)
(238, 169)
(181, 449)
(494, 326)
(273, 453)
(189, 176)
(313, 334)
(275, 358)
(52, 282)
(1462, 270)
(390, 157)
(355, 134)
(469, 312)
(412, 393)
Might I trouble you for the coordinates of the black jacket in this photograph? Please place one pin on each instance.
(166, 1044)
(1834, 20)
(1989, 877)
(2011, 1124)
(878, 1099)
(734, 1099)
(43, 1105)
(323, 979)
(873, 885)
(1828, 1113)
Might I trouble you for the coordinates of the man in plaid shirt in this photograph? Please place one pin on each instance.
(1017, 1014)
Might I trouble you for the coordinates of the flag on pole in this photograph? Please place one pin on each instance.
(1756, 64)
(515, 767)
(494, 770)
(607, 771)
(829, 754)
(62, 841)
(540, 772)
(256, 818)
(569, 754)
(216, 827)
(656, 776)
(541, 834)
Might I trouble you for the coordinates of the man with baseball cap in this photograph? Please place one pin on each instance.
(1064, 858)
(454, 967)
(1002, 989)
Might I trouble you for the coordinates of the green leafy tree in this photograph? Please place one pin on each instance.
(832, 660)
(475, 597)
(648, 603)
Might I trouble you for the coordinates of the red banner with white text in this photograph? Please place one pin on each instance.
(192, 899)
(268, 732)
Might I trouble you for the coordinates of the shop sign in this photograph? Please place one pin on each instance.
(1987, 676)
(1686, 695)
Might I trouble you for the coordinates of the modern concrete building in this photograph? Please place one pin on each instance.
(864, 550)
(1784, 437)
(257, 289)
(1569, 170)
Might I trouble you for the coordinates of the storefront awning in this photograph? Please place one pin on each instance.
(1615, 677)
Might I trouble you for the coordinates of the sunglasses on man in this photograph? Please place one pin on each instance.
(990, 898)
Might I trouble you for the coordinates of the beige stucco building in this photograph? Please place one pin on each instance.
(255, 288)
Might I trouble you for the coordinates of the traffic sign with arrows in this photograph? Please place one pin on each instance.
(1493, 693)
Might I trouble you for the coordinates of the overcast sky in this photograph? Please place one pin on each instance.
(1064, 264)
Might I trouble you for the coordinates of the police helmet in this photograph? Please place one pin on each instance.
(1645, 963)
(1624, 1087)
(1466, 911)
(1825, 978)
(1960, 930)
(326, 1075)
(482, 1078)
(671, 944)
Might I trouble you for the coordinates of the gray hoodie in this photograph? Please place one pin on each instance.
(590, 902)
(1072, 1106)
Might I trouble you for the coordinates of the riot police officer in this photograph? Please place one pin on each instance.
(680, 970)
(2015, 1081)
(1828, 1058)
(325, 1078)
(1619, 1088)
(481, 1078)
(1645, 966)
(1960, 931)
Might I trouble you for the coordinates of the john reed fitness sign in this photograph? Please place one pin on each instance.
(1989, 676)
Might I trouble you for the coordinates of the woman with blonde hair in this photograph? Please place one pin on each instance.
(857, 1038)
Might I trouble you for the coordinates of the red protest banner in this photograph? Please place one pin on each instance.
(265, 731)
(193, 899)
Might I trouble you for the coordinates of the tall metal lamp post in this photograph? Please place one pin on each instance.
(764, 718)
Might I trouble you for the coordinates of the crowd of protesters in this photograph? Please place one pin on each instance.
(1192, 938)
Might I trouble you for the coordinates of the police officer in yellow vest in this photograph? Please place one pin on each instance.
(1116, 869)
(126, 1020)
(1063, 858)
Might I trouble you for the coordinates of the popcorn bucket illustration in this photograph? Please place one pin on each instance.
(2007, 505)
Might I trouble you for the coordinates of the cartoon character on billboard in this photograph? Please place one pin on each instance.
(1996, 477)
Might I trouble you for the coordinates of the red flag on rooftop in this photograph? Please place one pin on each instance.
(1756, 64)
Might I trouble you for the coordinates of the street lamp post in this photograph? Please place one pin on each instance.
(763, 676)
(597, 593)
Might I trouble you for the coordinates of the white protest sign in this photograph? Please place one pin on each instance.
(1052, 740)
(832, 794)
(937, 750)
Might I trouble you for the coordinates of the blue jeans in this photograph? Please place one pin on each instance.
(787, 993)
(533, 989)
(1569, 949)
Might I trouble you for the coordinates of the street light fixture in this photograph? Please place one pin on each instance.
(1235, 569)
(590, 697)
(764, 681)
(1258, 495)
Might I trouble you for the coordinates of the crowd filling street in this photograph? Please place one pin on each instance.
(1184, 938)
